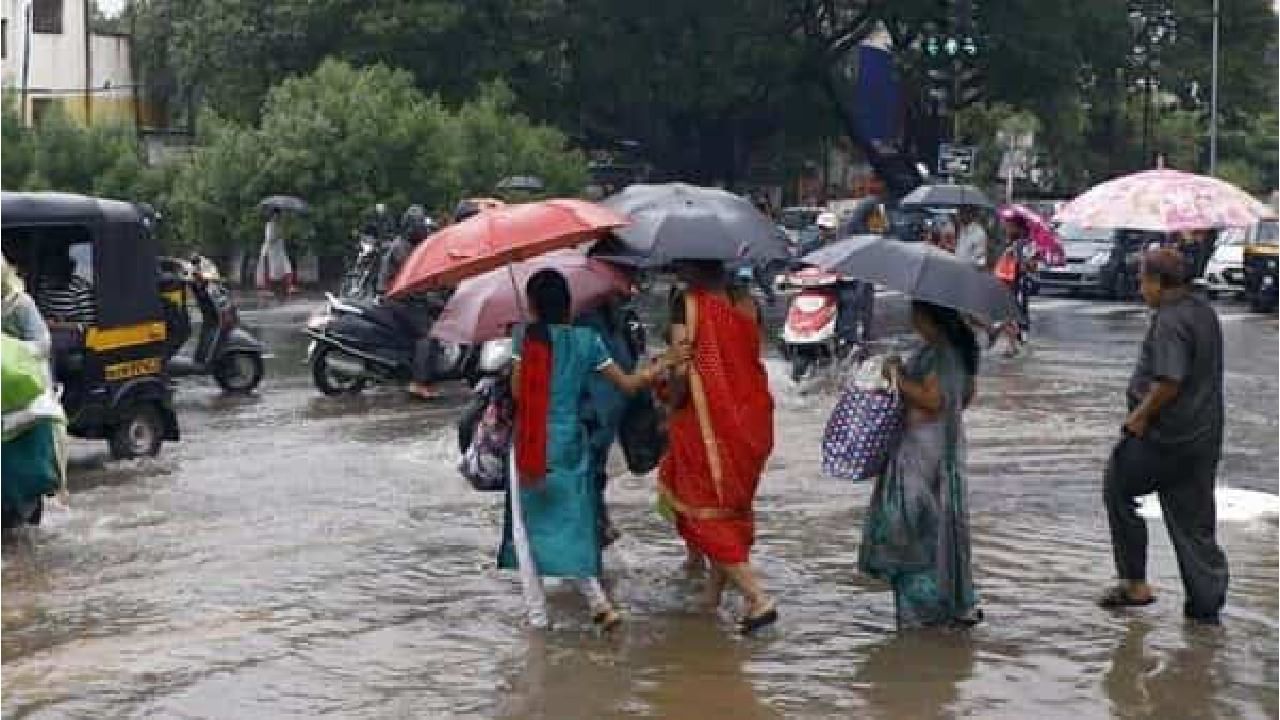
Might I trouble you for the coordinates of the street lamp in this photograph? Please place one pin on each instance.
(1213, 95)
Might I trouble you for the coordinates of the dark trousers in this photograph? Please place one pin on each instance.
(424, 359)
(855, 303)
(1184, 480)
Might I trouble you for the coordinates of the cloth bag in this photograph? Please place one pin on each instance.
(486, 461)
(865, 427)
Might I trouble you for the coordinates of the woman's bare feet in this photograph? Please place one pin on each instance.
(423, 391)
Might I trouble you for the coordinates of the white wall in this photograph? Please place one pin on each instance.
(57, 62)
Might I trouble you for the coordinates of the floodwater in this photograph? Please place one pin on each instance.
(298, 556)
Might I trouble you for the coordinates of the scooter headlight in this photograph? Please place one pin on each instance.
(319, 321)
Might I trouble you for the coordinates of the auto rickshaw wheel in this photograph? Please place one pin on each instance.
(139, 433)
(239, 372)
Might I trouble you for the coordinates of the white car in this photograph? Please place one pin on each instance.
(1224, 273)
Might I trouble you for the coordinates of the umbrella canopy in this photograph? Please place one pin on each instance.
(499, 236)
(484, 307)
(946, 196)
(527, 183)
(1164, 201)
(676, 221)
(920, 270)
(615, 251)
(1043, 236)
(286, 203)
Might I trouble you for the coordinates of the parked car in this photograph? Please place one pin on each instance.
(1102, 262)
(1224, 273)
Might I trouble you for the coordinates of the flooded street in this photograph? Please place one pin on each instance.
(297, 556)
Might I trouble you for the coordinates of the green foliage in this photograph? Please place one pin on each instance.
(63, 155)
(344, 139)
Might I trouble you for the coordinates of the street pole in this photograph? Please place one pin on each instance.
(1213, 95)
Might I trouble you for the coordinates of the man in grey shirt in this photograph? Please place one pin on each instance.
(1171, 445)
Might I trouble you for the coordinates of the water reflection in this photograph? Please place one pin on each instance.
(1184, 682)
(917, 674)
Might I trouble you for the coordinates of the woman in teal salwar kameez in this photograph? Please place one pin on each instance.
(552, 527)
(916, 535)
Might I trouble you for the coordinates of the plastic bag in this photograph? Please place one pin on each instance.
(486, 462)
(22, 375)
(642, 434)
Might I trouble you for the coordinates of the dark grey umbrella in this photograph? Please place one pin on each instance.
(287, 203)
(946, 196)
(676, 221)
(527, 183)
(920, 270)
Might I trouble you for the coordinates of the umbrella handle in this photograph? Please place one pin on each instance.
(519, 294)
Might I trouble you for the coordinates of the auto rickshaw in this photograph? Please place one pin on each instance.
(1261, 257)
(97, 259)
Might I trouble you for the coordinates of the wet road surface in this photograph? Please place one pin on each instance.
(298, 556)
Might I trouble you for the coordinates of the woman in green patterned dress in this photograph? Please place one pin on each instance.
(916, 535)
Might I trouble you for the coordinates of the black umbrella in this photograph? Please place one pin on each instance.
(286, 203)
(946, 196)
(676, 221)
(920, 270)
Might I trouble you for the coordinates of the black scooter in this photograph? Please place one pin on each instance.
(355, 342)
(223, 349)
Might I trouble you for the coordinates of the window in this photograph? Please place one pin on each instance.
(4, 39)
(40, 107)
(46, 17)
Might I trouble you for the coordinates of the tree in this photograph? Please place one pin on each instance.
(345, 138)
(61, 154)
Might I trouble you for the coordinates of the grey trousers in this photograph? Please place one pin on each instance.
(1184, 480)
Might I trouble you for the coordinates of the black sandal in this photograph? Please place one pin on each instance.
(751, 623)
(1117, 597)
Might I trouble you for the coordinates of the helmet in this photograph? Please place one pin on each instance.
(416, 224)
(828, 221)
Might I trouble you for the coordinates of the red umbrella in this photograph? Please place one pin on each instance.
(485, 306)
(1042, 235)
(499, 236)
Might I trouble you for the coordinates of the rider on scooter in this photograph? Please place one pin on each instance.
(855, 299)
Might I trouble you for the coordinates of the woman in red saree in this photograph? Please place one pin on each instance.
(721, 432)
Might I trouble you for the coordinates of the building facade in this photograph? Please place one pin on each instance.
(54, 60)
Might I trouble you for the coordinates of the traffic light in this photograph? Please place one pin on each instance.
(969, 87)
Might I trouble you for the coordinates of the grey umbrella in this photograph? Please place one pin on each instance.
(284, 202)
(947, 196)
(920, 270)
(676, 221)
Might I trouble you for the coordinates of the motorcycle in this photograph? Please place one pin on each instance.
(491, 368)
(355, 342)
(224, 349)
(809, 332)
(361, 279)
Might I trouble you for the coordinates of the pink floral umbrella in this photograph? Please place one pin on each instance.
(1043, 237)
(1164, 201)
(484, 307)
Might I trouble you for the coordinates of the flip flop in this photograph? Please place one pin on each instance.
(751, 623)
(607, 620)
(1118, 597)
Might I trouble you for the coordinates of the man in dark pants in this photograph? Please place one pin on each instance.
(1171, 445)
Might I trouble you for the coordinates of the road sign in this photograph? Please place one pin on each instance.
(955, 160)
